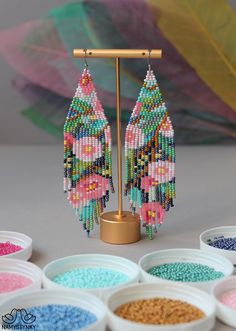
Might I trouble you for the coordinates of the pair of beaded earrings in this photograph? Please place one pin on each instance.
(149, 155)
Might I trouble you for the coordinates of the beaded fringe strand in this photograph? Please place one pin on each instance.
(150, 157)
(87, 154)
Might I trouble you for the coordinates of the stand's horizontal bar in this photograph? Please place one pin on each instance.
(114, 53)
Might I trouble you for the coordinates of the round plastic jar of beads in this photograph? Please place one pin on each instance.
(55, 310)
(224, 293)
(160, 307)
(97, 274)
(189, 266)
(15, 245)
(18, 276)
(220, 240)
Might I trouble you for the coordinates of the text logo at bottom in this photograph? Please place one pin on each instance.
(18, 319)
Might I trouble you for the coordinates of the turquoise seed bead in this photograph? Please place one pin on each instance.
(90, 278)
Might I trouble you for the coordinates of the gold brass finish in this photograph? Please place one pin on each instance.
(115, 229)
(119, 227)
(119, 141)
(121, 53)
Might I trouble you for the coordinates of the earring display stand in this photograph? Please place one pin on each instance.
(119, 227)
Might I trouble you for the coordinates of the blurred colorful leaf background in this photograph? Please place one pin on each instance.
(197, 73)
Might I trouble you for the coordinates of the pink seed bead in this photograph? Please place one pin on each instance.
(229, 299)
(11, 281)
(9, 248)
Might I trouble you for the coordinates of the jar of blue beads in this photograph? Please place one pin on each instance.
(54, 310)
(220, 240)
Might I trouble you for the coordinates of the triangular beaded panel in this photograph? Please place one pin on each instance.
(150, 156)
(87, 154)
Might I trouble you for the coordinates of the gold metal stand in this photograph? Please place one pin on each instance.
(119, 227)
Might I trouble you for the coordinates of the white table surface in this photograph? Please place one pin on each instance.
(32, 201)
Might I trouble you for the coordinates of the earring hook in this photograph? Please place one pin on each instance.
(148, 59)
(85, 58)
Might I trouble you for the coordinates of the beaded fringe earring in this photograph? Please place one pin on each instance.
(150, 156)
(87, 154)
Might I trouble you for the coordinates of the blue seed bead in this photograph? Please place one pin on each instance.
(224, 243)
(185, 272)
(57, 318)
(90, 278)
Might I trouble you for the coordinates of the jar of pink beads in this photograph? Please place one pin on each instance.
(18, 276)
(15, 245)
(224, 293)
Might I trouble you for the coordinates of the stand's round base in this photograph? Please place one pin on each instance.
(115, 229)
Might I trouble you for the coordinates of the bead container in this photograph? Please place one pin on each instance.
(224, 312)
(79, 299)
(220, 234)
(182, 255)
(23, 270)
(125, 267)
(18, 239)
(193, 296)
